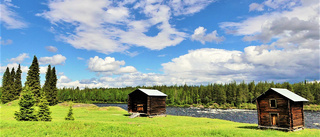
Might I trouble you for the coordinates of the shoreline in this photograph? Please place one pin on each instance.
(306, 107)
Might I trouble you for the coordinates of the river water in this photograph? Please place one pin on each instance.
(312, 119)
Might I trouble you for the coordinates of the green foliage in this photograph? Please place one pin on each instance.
(26, 104)
(33, 79)
(232, 93)
(17, 83)
(44, 110)
(70, 114)
(7, 90)
(54, 91)
(11, 83)
(50, 86)
(46, 87)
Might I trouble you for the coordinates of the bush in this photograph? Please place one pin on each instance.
(186, 105)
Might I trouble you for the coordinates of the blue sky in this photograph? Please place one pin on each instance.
(101, 43)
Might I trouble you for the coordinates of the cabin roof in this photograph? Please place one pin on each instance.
(152, 92)
(287, 93)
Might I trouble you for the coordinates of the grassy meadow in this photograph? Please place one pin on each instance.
(113, 121)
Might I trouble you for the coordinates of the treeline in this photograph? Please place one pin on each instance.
(230, 93)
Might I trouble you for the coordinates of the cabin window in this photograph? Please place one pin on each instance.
(273, 103)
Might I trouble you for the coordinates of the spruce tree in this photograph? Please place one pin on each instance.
(70, 114)
(13, 73)
(26, 104)
(17, 83)
(33, 79)
(54, 90)
(44, 110)
(47, 87)
(6, 95)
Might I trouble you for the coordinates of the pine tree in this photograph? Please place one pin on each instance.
(44, 110)
(26, 104)
(33, 79)
(17, 83)
(70, 114)
(6, 95)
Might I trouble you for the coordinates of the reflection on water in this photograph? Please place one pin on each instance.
(312, 119)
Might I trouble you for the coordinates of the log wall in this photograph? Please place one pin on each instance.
(297, 114)
(157, 105)
(152, 105)
(135, 100)
(265, 110)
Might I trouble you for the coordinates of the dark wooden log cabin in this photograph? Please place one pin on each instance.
(280, 109)
(147, 101)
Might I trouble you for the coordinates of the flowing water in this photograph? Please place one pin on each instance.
(312, 119)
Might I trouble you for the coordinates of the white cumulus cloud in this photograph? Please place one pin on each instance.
(54, 60)
(109, 66)
(20, 58)
(200, 35)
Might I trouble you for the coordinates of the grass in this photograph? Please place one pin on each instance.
(312, 107)
(113, 121)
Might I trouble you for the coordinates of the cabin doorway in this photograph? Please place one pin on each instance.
(140, 108)
(274, 119)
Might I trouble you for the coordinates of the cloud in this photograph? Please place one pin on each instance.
(54, 60)
(51, 49)
(255, 6)
(274, 4)
(185, 7)
(210, 65)
(255, 63)
(109, 26)
(80, 58)
(20, 58)
(200, 35)
(63, 79)
(9, 18)
(6, 42)
(109, 66)
(288, 28)
(24, 69)
(308, 11)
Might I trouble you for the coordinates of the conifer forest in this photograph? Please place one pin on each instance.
(230, 93)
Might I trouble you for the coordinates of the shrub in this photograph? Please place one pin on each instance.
(70, 114)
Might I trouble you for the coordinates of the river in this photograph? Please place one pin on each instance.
(312, 119)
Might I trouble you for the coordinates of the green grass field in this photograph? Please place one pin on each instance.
(113, 121)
